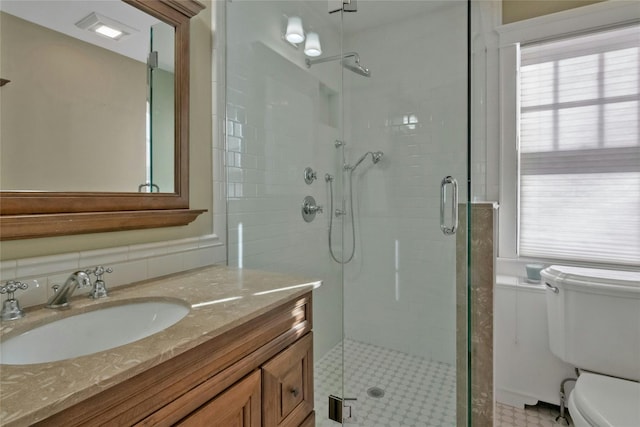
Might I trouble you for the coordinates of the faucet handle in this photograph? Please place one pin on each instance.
(99, 271)
(11, 286)
(99, 289)
(11, 308)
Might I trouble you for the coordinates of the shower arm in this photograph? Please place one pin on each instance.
(375, 158)
(311, 62)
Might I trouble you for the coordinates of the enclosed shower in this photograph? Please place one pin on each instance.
(367, 129)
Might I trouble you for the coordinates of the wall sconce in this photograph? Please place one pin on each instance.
(312, 46)
(295, 33)
(105, 27)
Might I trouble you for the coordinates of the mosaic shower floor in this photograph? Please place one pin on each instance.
(417, 392)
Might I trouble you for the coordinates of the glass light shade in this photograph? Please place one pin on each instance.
(295, 33)
(108, 31)
(312, 46)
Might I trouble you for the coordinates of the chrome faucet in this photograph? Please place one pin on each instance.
(62, 295)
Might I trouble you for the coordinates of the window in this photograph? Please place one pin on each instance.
(579, 148)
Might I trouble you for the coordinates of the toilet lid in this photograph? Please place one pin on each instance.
(594, 275)
(624, 284)
(606, 401)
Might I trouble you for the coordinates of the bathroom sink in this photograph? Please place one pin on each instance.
(91, 332)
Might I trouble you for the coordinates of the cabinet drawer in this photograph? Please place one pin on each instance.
(287, 385)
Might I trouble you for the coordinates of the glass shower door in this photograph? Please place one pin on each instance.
(409, 112)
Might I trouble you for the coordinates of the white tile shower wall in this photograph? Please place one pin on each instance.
(278, 124)
(400, 289)
(130, 264)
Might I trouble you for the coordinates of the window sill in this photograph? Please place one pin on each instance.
(517, 282)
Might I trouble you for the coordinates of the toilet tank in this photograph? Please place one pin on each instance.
(593, 316)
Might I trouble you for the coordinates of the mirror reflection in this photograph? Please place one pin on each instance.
(89, 105)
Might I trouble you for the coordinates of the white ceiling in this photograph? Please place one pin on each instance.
(62, 15)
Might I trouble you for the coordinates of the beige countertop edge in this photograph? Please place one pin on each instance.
(30, 393)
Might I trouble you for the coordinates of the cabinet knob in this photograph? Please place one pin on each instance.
(295, 392)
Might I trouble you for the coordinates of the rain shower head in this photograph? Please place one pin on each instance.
(356, 68)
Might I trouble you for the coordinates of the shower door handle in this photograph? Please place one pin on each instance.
(449, 181)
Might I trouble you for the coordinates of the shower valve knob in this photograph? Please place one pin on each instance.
(309, 175)
(309, 209)
(312, 209)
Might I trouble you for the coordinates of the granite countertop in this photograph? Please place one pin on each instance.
(220, 297)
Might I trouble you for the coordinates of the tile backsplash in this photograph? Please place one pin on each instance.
(130, 264)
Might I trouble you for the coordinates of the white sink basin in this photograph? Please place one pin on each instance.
(91, 332)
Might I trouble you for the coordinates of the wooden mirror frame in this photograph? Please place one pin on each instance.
(25, 215)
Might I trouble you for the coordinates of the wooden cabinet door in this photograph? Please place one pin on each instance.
(310, 421)
(287, 385)
(239, 406)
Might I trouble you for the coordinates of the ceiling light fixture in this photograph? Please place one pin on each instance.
(105, 27)
(112, 33)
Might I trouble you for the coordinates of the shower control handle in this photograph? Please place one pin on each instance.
(309, 175)
(309, 209)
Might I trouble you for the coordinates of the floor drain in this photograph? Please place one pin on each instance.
(375, 392)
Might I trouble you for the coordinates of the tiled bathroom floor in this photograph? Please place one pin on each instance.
(532, 416)
(418, 392)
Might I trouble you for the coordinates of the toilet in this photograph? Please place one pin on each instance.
(593, 316)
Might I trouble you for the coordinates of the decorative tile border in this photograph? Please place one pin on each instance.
(130, 264)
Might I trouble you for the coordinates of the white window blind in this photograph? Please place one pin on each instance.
(579, 179)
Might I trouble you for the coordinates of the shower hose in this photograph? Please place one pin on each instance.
(329, 179)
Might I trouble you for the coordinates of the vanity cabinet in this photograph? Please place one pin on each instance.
(256, 374)
(279, 394)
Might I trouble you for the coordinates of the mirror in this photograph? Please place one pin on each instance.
(85, 111)
(100, 177)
